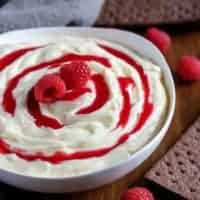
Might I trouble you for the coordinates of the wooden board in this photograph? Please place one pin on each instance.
(187, 110)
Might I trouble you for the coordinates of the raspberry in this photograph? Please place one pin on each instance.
(189, 68)
(75, 74)
(138, 193)
(49, 88)
(160, 38)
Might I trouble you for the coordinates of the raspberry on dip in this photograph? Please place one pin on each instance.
(76, 106)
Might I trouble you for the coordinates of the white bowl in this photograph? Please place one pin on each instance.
(108, 175)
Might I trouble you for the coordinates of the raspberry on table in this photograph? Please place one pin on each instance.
(160, 38)
(189, 68)
(49, 88)
(138, 193)
(75, 74)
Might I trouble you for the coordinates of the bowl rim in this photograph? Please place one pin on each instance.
(95, 30)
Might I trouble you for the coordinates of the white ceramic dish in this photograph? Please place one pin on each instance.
(92, 180)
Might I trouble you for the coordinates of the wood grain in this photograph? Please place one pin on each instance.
(187, 110)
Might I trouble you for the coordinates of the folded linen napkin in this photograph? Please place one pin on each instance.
(18, 14)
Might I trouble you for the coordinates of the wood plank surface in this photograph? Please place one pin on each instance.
(187, 110)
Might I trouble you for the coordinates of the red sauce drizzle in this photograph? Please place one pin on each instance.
(126, 107)
(9, 103)
(147, 106)
(11, 57)
(40, 119)
(58, 157)
(102, 95)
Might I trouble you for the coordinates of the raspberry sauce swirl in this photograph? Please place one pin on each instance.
(90, 122)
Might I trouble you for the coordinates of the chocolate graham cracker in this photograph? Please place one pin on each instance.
(141, 12)
(179, 169)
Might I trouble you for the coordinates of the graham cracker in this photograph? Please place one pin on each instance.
(179, 169)
(141, 12)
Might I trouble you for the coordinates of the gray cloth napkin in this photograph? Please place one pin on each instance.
(18, 14)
